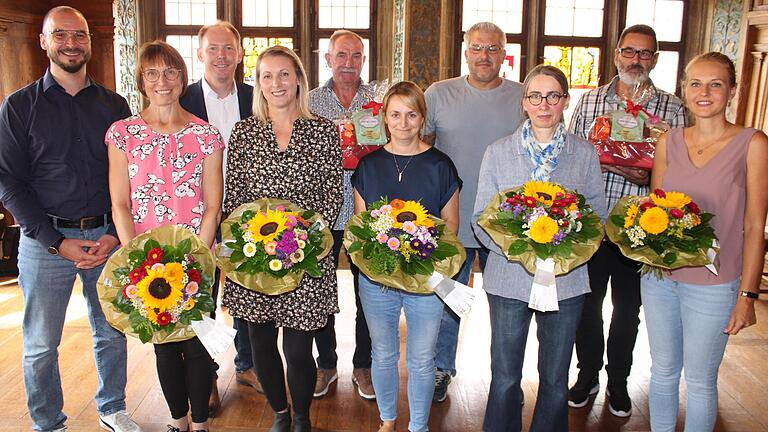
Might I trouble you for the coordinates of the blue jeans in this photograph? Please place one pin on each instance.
(556, 332)
(685, 332)
(243, 359)
(46, 282)
(448, 338)
(422, 317)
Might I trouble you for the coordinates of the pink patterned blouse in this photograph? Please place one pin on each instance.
(165, 170)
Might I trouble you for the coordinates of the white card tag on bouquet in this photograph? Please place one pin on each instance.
(226, 249)
(215, 336)
(544, 291)
(457, 296)
(712, 255)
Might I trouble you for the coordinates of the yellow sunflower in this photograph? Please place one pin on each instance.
(654, 220)
(543, 229)
(543, 192)
(671, 200)
(160, 290)
(629, 218)
(410, 211)
(265, 227)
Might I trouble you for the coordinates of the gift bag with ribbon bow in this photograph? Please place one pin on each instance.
(362, 131)
(627, 137)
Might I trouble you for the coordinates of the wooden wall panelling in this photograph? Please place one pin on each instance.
(422, 56)
(752, 96)
(23, 59)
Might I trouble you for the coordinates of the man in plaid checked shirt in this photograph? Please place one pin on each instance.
(635, 56)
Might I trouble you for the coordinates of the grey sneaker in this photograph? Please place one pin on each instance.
(442, 379)
(325, 377)
(362, 379)
(118, 422)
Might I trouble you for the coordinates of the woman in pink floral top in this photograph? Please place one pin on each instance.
(165, 167)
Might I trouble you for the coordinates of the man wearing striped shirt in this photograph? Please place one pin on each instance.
(635, 56)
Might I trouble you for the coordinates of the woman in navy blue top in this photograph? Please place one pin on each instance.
(409, 169)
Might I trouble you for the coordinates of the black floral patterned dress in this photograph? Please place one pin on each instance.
(309, 174)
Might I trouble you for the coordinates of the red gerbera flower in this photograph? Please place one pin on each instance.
(137, 274)
(676, 213)
(164, 318)
(194, 275)
(529, 202)
(646, 205)
(155, 255)
(660, 193)
(693, 207)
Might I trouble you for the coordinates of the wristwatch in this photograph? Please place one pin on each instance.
(54, 248)
(749, 294)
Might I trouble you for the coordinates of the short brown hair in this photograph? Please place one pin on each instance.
(222, 24)
(412, 96)
(639, 29)
(160, 52)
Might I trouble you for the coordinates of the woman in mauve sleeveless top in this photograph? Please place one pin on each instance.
(691, 312)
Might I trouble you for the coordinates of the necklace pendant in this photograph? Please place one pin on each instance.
(700, 151)
(399, 177)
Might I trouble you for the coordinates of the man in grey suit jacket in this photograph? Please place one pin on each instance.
(222, 102)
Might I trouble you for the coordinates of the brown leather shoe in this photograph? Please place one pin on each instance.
(362, 379)
(214, 403)
(249, 378)
(325, 377)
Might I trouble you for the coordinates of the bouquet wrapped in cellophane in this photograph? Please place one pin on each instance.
(399, 244)
(547, 229)
(269, 244)
(157, 284)
(663, 230)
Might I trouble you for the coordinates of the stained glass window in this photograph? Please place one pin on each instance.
(252, 48)
(324, 72)
(507, 14)
(190, 12)
(665, 16)
(349, 14)
(267, 13)
(580, 65)
(187, 47)
(574, 18)
(510, 68)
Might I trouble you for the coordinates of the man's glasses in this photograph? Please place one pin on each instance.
(645, 54)
(477, 48)
(153, 75)
(62, 36)
(552, 98)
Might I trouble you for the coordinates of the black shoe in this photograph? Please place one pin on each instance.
(442, 379)
(619, 403)
(282, 422)
(582, 391)
(301, 423)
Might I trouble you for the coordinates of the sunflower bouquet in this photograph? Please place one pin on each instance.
(269, 244)
(157, 284)
(543, 220)
(399, 244)
(665, 230)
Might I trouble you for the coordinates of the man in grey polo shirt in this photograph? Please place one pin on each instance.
(343, 94)
(464, 116)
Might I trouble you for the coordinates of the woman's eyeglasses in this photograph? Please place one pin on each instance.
(153, 75)
(552, 98)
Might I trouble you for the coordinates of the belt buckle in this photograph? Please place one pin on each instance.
(84, 221)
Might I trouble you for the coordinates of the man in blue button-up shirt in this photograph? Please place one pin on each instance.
(53, 179)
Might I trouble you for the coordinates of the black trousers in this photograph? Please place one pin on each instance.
(184, 372)
(609, 263)
(300, 366)
(325, 338)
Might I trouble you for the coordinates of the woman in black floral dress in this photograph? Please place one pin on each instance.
(284, 151)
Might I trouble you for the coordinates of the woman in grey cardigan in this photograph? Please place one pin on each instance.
(541, 149)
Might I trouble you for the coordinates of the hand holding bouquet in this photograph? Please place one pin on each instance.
(398, 244)
(665, 230)
(269, 244)
(157, 284)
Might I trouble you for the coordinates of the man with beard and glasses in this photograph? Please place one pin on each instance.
(636, 55)
(53, 179)
(344, 93)
(465, 115)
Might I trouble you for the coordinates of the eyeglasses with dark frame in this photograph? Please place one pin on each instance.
(478, 48)
(629, 52)
(62, 36)
(551, 97)
(170, 74)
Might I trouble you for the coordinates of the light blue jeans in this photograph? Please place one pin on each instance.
(685, 331)
(422, 317)
(448, 338)
(46, 282)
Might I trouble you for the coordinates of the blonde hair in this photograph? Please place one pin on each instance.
(260, 106)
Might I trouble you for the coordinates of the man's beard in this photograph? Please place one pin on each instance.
(67, 66)
(640, 76)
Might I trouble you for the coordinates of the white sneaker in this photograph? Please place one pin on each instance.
(118, 422)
